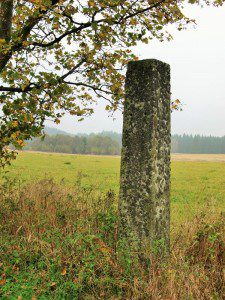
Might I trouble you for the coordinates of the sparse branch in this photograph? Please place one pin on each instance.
(141, 11)
(71, 19)
(72, 70)
(93, 87)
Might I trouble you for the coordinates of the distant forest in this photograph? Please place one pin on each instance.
(198, 144)
(77, 144)
(109, 143)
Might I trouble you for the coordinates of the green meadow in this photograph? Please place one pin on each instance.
(194, 185)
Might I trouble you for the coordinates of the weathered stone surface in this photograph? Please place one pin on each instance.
(144, 203)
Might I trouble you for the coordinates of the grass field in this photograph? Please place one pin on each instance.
(58, 223)
(194, 183)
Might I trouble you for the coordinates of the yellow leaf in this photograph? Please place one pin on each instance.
(73, 112)
(25, 43)
(91, 3)
(63, 272)
(3, 281)
(133, 21)
(21, 143)
(55, 26)
(14, 124)
(15, 134)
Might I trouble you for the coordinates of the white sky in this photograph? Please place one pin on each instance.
(197, 60)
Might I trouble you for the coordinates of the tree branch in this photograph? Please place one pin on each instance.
(24, 33)
(138, 12)
(72, 70)
(71, 31)
(17, 89)
(93, 87)
(88, 24)
(32, 85)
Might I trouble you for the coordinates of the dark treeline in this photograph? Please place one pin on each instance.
(109, 143)
(198, 144)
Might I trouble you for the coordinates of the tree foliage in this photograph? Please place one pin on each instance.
(60, 56)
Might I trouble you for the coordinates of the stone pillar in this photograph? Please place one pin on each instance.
(144, 203)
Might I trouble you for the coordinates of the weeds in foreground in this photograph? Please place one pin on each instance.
(61, 243)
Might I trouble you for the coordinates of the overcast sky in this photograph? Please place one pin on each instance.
(197, 60)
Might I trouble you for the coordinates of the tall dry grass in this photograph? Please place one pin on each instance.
(62, 243)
